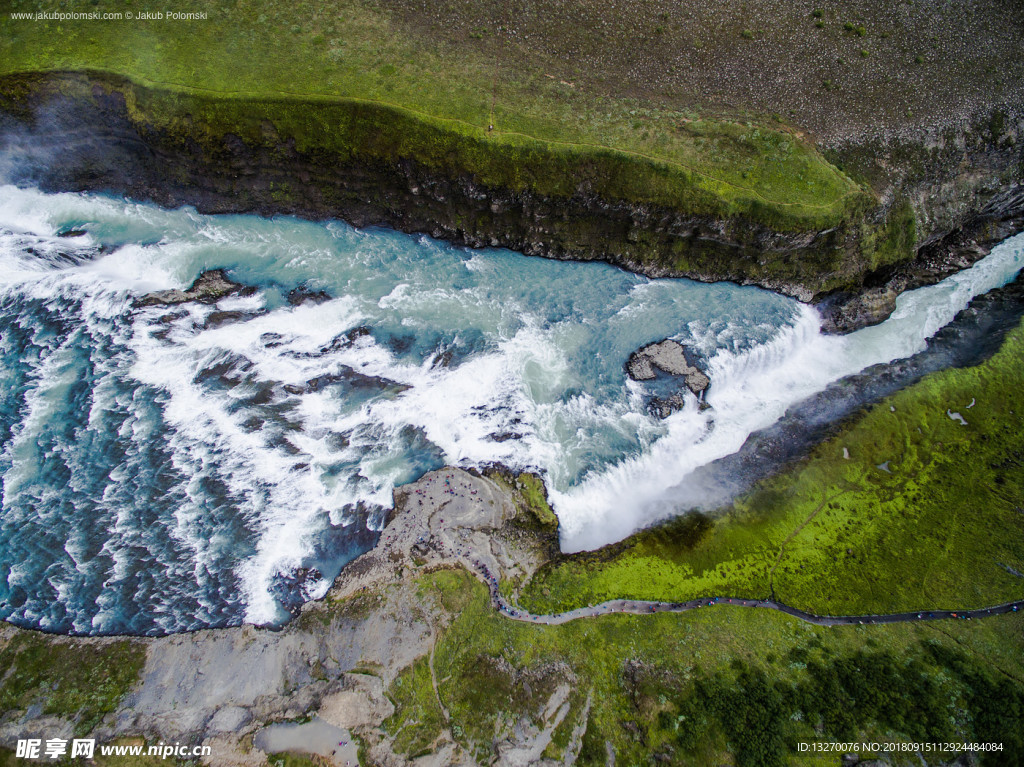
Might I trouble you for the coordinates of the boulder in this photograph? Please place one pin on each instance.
(669, 357)
(303, 295)
(208, 288)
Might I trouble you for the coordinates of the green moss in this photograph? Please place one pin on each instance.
(532, 489)
(844, 536)
(418, 719)
(354, 83)
(696, 686)
(75, 680)
(895, 241)
(528, 492)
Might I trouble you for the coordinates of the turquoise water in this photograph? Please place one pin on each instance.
(167, 469)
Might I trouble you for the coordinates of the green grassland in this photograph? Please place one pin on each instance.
(707, 686)
(344, 77)
(925, 513)
(79, 680)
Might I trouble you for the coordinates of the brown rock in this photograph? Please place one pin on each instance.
(208, 288)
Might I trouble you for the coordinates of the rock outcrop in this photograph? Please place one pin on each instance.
(669, 357)
(209, 288)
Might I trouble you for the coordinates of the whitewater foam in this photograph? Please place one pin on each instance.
(753, 389)
(176, 467)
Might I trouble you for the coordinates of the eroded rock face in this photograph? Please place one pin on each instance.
(964, 182)
(208, 288)
(669, 357)
(363, 703)
(1003, 217)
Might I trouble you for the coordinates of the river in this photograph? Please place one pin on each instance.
(173, 468)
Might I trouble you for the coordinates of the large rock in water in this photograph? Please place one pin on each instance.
(669, 357)
(208, 288)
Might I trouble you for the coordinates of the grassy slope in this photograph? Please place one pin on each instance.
(643, 677)
(799, 58)
(939, 529)
(76, 680)
(742, 686)
(355, 52)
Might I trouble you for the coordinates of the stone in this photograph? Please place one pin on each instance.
(303, 295)
(363, 704)
(670, 357)
(229, 719)
(208, 288)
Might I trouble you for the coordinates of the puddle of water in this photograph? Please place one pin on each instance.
(313, 737)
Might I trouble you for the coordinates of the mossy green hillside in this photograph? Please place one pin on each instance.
(698, 687)
(889, 244)
(530, 496)
(344, 129)
(924, 513)
(80, 681)
(358, 83)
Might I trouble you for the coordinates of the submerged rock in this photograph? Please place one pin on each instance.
(663, 407)
(669, 357)
(303, 295)
(339, 342)
(292, 588)
(208, 288)
(350, 378)
(443, 359)
(217, 319)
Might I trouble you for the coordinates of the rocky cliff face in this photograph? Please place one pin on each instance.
(78, 133)
(963, 188)
(954, 250)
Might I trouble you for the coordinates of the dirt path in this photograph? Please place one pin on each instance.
(469, 504)
(782, 549)
(638, 607)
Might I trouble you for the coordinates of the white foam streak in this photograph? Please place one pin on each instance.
(752, 390)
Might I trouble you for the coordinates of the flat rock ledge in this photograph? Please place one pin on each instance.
(208, 288)
(669, 357)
